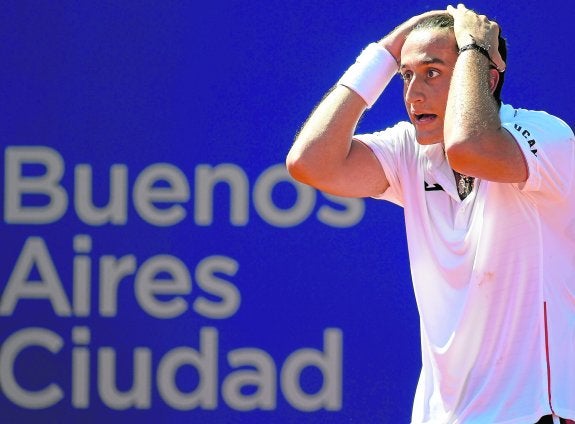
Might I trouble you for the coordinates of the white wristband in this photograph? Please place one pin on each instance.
(371, 72)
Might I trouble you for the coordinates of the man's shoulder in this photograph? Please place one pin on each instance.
(400, 134)
(401, 130)
(394, 145)
(537, 119)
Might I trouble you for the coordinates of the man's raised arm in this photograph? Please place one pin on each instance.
(324, 154)
(475, 142)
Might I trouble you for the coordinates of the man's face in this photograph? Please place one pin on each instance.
(427, 61)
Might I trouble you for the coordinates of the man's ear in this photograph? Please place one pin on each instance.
(493, 79)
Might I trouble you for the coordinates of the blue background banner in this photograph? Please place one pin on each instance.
(158, 264)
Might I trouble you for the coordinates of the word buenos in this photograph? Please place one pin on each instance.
(159, 194)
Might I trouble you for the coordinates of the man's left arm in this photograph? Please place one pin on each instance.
(476, 144)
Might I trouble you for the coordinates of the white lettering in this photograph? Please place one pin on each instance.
(112, 271)
(351, 214)
(263, 377)
(204, 361)
(266, 207)
(139, 395)
(150, 284)
(158, 194)
(147, 193)
(329, 363)
(12, 347)
(116, 210)
(81, 368)
(82, 281)
(17, 185)
(207, 177)
(223, 289)
(252, 384)
(35, 254)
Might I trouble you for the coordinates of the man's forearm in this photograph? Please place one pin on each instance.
(472, 114)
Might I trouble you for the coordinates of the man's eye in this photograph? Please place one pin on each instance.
(406, 76)
(432, 73)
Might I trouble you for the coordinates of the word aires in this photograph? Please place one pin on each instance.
(159, 283)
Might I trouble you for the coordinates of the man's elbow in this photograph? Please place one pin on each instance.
(460, 155)
(297, 166)
(309, 167)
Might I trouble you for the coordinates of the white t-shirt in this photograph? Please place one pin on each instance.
(494, 275)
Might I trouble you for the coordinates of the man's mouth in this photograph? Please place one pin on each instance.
(424, 117)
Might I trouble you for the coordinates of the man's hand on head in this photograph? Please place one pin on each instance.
(393, 42)
(471, 28)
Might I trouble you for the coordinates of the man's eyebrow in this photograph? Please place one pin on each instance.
(427, 61)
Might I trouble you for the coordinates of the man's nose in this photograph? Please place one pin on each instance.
(414, 91)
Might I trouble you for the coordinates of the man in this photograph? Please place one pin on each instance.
(488, 193)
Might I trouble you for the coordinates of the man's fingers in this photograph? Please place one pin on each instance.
(498, 61)
(459, 9)
(452, 11)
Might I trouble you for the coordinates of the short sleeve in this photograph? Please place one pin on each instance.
(548, 146)
(389, 146)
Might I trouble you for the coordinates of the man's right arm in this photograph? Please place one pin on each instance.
(325, 155)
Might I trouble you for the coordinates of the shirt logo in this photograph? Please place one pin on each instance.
(434, 187)
(527, 135)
